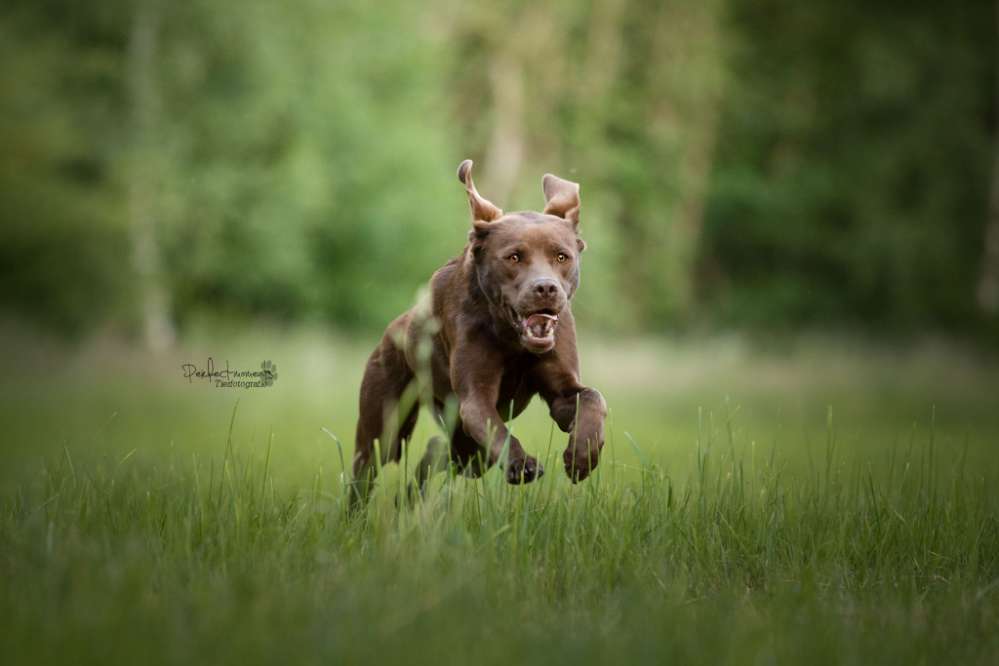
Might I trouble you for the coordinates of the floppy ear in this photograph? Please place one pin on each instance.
(483, 210)
(561, 198)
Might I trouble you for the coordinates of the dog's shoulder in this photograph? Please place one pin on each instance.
(449, 285)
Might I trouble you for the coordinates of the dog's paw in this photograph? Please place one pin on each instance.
(524, 470)
(579, 462)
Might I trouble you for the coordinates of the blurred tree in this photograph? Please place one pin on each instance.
(63, 228)
(770, 163)
(313, 175)
(143, 172)
(852, 173)
(624, 100)
(285, 161)
(988, 285)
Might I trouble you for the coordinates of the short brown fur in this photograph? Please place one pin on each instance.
(516, 269)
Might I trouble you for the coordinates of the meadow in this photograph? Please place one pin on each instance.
(807, 501)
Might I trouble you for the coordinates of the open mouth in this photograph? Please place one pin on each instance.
(537, 330)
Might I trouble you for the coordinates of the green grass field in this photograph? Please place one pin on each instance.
(824, 503)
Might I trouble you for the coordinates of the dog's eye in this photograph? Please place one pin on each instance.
(561, 257)
(515, 257)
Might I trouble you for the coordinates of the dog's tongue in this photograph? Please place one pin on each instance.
(540, 325)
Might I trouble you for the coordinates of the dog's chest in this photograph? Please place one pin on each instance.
(515, 390)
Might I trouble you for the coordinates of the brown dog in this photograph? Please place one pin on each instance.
(500, 331)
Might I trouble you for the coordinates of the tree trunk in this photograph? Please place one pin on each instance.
(143, 175)
(686, 83)
(506, 146)
(988, 286)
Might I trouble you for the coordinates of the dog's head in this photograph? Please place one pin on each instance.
(527, 263)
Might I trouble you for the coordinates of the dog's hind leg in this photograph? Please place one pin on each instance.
(433, 461)
(388, 412)
(467, 456)
(471, 459)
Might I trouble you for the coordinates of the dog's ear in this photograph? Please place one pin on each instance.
(483, 210)
(561, 198)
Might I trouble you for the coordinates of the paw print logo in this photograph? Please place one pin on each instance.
(269, 372)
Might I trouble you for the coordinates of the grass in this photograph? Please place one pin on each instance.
(830, 504)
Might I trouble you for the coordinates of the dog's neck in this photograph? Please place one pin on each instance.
(487, 307)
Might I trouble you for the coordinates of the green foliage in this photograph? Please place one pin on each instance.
(852, 179)
(63, 238)
(765, 164)
(290, 180)
(310, 180)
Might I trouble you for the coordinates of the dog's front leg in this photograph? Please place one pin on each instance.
(475, 376)
(580, 411)
(482, 422)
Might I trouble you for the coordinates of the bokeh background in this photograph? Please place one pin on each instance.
(761, 165)
(790, 301)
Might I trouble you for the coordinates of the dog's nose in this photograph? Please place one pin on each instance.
(545, 287)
